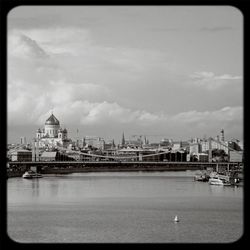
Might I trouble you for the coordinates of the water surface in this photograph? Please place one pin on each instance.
(123, 207)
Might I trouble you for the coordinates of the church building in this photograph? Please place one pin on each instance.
(52, 134)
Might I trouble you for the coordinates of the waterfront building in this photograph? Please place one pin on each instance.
(165, 143)
(184, 145)
(215, 144)
(153, 145)
(35, 151)
(52, 134)
(81, 143)
(241, 144)
(21, 155)
(95, 142)
(195, 140)
(236, 156)
(202, 157)
(49, 156)
(176, 155)
(109, 145)
(195, 148)
(234, 145)
(134, 143)
(176, 145)
(218, 142)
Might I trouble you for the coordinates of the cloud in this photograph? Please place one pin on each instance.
(92, 85)
(73, 104)
(73, 107)
(37, 100)
(23, 46)
(210, 81)
(225, 114)
(56, 36)
(216, 29)
(112, 112)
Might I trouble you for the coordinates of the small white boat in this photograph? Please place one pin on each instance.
(176, 218)
(219, 182)
(31, 174)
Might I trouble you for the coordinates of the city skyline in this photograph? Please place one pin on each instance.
(128, 138)
(105, 70)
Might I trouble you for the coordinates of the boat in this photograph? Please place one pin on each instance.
(176, 218)
(216, 180)
(201, 177)
(31, 174)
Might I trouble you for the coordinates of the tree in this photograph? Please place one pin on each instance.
(219, 154)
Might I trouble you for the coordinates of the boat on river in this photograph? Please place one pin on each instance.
(216, 180)
(176, 219)
(201, 176)
(31, 174)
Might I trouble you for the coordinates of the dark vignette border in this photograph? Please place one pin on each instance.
(8, 5)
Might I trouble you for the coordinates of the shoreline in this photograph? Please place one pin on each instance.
(87, 170)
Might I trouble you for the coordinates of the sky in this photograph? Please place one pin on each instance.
(171, 72)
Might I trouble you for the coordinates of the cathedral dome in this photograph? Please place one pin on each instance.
(52, 121)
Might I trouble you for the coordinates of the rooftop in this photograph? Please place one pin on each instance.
(52, 120)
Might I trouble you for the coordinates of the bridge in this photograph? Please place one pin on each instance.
(57, 167)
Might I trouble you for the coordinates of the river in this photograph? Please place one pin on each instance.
(125, 207)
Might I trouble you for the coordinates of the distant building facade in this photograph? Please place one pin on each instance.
(195, 148)
(21, 155)
(93, 141)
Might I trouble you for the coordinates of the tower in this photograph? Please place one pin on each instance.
(35, 150)
(60, 133)
(210, 149)
(65, 134)
(23, 140)
(222, 135)
(38, 134)
(113, 143)
(123, 139)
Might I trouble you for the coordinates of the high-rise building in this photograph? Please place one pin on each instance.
(23, 140)
(123, 140)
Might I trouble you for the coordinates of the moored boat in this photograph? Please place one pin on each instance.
(31, 174)
(218, 181)
(201, 176)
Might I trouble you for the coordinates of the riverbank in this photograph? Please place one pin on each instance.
(102, 169)
(18, 168)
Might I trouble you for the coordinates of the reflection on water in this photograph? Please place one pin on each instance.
(35, 187)
(54, 187)
(225, 190)
(176, 232)
(123, 207)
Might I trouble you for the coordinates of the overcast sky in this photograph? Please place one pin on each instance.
(169, 71)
